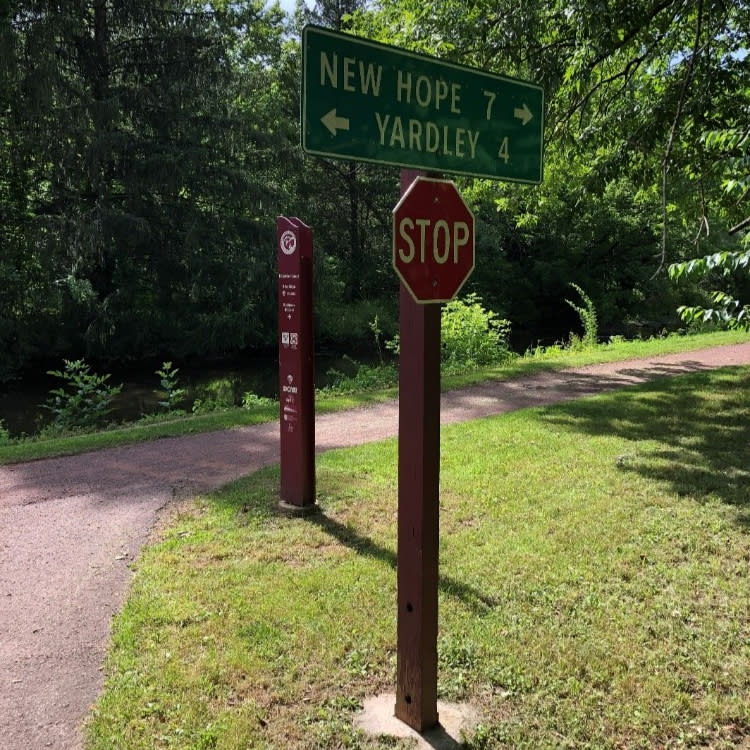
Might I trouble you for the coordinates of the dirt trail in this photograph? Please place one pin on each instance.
(69, 527)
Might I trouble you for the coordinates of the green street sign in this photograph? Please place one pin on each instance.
(366, 101)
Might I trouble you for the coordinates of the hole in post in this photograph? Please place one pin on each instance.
(407, 698)
(409, 608)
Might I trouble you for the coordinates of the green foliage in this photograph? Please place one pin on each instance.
(251, 400)
(726, 311)
(363, 377)
(225, 393)
(734, 145)
(217, 395)
(587, 314)
(725, 262)
(377, 335)
(139, 173)
(351, 324)
(578, 225)
(146, 152)
(170, 385)
(626, 107)
(85, 399)
(5, 438)
(472, 336)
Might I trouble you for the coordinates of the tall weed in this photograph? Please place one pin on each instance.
(170, 386)
(587, 314)
(84, 401)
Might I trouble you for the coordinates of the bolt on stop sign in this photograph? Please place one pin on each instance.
(433, 240)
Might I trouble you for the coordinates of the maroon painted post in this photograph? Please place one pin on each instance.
(296, 364)
(418, 508)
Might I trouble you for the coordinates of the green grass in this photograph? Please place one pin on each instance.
(594, 588)
(69, 444)
(553, 359)
(557, 358)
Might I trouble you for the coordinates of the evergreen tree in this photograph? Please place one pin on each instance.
(143, 131)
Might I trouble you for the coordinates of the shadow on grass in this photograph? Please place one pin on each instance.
(474, 599)
(700, 424)
(260, 503)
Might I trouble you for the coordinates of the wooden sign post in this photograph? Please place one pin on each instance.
(433, 254)
(418, 508)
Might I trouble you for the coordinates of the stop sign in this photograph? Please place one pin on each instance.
(433, 240)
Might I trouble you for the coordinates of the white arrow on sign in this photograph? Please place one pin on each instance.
(334, 123)
(523, 114)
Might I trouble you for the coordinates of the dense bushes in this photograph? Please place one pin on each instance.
(472, 336)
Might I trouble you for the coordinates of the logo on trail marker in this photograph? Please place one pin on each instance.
(288, 243)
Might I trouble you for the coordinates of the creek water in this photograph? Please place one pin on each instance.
(21, 401)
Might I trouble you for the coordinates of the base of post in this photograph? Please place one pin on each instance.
(417, 723)
(296, 511)
(456, 721)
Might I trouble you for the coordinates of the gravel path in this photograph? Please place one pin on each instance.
(69, 527)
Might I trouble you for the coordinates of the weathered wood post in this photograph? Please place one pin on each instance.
(418, 507)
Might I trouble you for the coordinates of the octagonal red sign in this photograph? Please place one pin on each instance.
(433, 240)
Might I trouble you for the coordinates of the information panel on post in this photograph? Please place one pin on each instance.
(366, 101)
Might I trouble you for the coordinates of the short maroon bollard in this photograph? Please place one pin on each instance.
(296, 364)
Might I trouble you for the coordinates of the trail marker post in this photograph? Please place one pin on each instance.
(296, 364)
